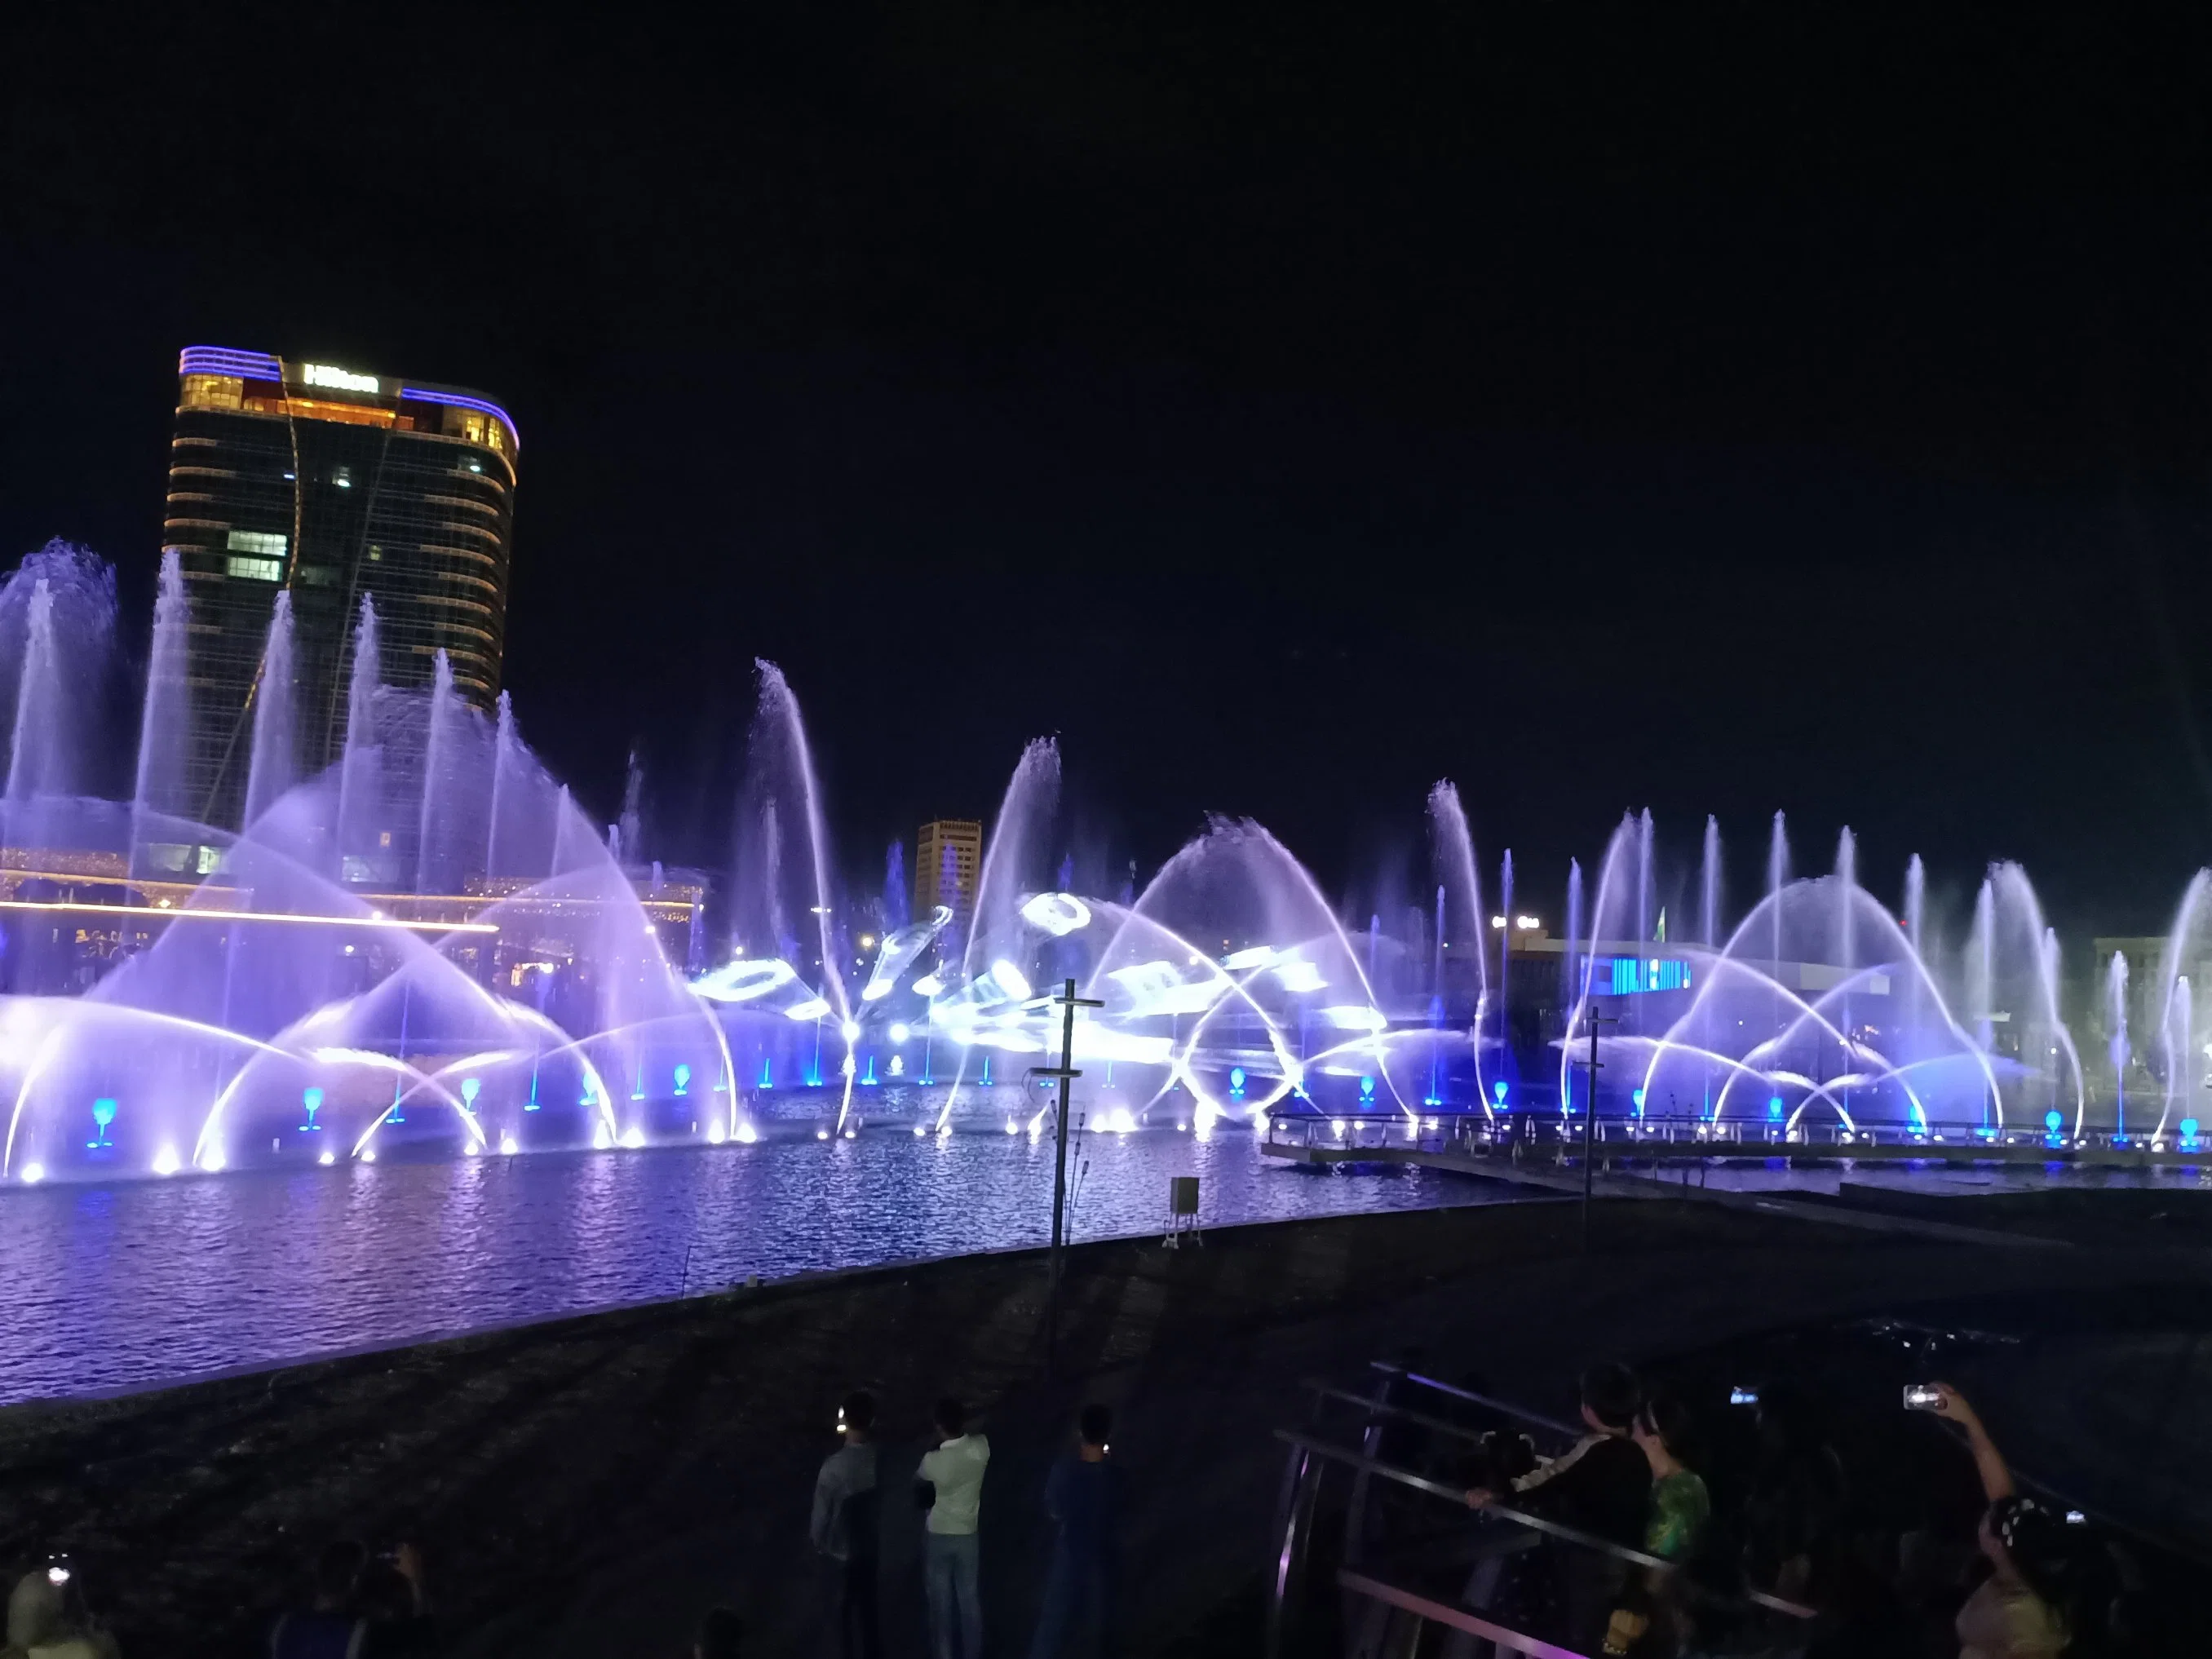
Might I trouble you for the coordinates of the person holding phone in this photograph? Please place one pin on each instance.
(1083, 1496)
(953, 1477)
(845, 1535)
(2016, 1613)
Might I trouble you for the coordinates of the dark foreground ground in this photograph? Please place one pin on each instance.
(589, 1486)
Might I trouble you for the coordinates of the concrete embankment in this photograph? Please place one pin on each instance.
(589, 1486)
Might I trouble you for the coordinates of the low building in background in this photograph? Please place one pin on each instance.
(948, 854)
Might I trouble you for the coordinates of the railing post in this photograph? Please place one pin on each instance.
(1370, 1447)
(1302, 1474)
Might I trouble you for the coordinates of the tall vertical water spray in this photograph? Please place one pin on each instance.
(1709, 887)
(360, 767)
(2116, 1045)
(438, 783)
(1916, 917)
(1778, 877)
(33, 763)
(1573, 975)
(1981, 975)
(165, 722)
(779, 726)
(57, 643)
(2181, 1055)
(1437, 1004)
(633, 810)
(1506, 1066)
(2064, 1058)
(1644, 922)
(504, 786)
(1847, 881)
(1019, 838)
(271, 769)
(1709, 933)
(1453, 845)
(570, 847)
(1575, 966)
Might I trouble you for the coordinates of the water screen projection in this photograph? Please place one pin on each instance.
(425, 946)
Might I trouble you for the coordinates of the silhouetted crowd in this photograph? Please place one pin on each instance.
(1797, 1563)
(1083, 1499)
(1798, 1566)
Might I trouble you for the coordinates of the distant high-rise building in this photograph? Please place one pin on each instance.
(337, 486)
(946, 857)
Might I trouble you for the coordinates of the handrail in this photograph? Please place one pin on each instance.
(1571, 1430)
(1458, 1495)
(1376, 1407)
(1565, 1534)
(1458, 1618)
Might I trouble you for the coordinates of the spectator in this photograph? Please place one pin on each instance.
(324, 1628)
(395, 1610)
(1650, 1615)
(2017, 1611)
(1600, 1485)
(1083, 1496)
(845, 1533)
(47, 1619)
(719, 1634)
(954, 1476)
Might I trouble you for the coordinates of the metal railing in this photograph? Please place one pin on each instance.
(1292, 1589)
(1680, 1136)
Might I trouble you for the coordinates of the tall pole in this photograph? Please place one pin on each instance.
(1060, 1137)
(1065, 1071)
(1590, 1129)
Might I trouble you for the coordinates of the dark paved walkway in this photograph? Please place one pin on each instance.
(587, 1487)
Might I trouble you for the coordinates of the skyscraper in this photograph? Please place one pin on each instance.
(946, 856)
(335, 486)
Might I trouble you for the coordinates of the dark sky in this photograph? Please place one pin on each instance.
(1717, 408)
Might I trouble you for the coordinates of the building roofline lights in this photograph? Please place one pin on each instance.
(260, 366)
(423, 394)
(222, 360)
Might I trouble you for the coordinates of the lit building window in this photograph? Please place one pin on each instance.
(256, 541)
(257, 570)
(212, 391)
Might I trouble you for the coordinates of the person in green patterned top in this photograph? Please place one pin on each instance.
(1648, 1619)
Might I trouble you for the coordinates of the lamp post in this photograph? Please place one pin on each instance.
(1589, 1122)
(1068, 1002)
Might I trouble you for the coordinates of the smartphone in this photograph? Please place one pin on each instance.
(1743, 1396)
(1922, 1396)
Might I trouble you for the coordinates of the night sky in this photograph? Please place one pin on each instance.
(1715, 410)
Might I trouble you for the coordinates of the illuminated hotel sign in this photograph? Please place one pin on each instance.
(338, 378)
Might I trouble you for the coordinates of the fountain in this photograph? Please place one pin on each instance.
(346, 946)
(430, 944)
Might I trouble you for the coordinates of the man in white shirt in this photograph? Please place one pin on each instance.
(954, 1475)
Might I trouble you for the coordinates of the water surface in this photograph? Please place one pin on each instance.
(125, 1284)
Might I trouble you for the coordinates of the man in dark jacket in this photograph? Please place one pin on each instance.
(1600, 1485)
(844, 1531)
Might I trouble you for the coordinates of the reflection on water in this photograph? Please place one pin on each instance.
(128, 1285)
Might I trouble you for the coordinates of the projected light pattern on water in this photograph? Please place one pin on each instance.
(426, 943)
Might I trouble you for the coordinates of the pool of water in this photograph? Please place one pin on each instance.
(130, 1284)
